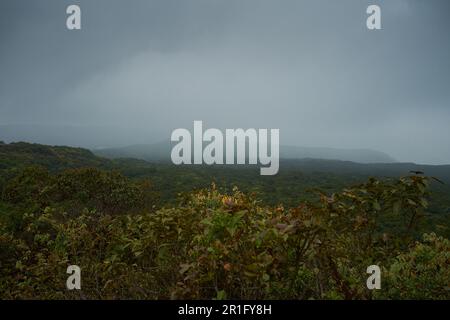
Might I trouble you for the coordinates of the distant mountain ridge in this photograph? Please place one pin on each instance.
(354, 155)
(22, 154)
(161, 151)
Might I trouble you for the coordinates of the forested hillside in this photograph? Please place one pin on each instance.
(157, 231)
(22, 154)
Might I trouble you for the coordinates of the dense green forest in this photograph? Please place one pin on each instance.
(157, 231)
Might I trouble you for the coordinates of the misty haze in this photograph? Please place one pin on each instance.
(244, 150)
(133, 74)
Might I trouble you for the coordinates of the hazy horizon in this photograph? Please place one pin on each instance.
(310, 68)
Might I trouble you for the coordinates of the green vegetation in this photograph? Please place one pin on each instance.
(155, 231)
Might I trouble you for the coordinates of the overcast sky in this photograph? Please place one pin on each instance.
(310, 68)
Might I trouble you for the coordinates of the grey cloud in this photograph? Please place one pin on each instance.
(310, 68)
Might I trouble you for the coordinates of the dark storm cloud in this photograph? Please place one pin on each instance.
(310, 68)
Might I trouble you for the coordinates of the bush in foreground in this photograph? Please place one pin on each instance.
(215, 246)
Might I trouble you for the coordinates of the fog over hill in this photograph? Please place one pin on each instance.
(309, 68)
(90, 137)
(161, 151)
(145, 144)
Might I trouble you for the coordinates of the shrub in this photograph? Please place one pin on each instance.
(214, 245)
